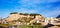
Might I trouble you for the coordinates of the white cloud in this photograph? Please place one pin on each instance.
(30, 2)
(53, 1)
(25, 10)
(46, 12)
(36, 1)
(53, 13)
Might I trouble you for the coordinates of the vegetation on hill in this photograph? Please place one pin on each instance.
(24, 19)
(14, 13)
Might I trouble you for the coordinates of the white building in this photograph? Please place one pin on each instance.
(50, 20)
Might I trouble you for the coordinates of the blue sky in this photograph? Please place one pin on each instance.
(47, 8)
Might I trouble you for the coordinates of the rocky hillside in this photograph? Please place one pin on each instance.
(23, 17)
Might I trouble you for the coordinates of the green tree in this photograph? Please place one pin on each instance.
(14, 13)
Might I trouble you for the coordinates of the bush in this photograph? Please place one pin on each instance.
(33, 26)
